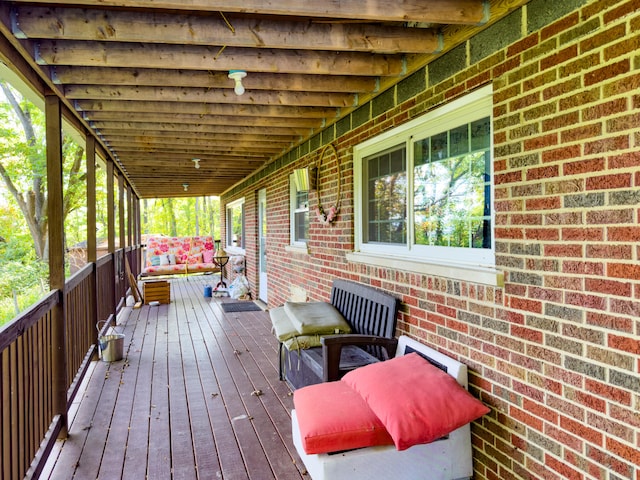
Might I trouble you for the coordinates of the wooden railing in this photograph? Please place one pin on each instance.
(27, 386)
(29, 423)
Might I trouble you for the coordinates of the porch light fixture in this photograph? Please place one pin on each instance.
(185, 186)
(196, 161)
(237, 76)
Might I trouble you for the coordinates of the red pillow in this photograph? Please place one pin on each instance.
(333, 417)
(416, 402)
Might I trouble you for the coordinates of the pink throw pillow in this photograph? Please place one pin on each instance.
(333, 417)
(416, 402)
(207, 256)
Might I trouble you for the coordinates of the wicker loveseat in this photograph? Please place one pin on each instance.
(179, 255)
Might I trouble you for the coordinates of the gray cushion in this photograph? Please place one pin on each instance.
(316, 318)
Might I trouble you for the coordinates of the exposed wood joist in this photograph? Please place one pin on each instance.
(209, 79)
(196, 57)
(87, 25)
(426, 11)
(202, 95)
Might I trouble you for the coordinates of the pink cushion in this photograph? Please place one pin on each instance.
(333, 417)
(207, 256)
(416, 402)
(193, 259)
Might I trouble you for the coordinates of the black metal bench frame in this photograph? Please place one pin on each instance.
(372, 315)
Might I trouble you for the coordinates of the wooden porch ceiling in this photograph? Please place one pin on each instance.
(150, 77)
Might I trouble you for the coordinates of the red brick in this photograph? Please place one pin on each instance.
(543, 203)
(570, 151)
(582, 268)
(606, 182)
(561, 121)
(610, 287)
(563, 437)
(559, 57)
(540, 410)
(625, 415)
(581, 133)
(600, 217)
(563, 250)
(581, 430)
(586, 234)
(623, 123)
(542, 172)
(629, 453)
(603, 37)
(612, 322)
(526, 418)
(623, 270)
(617, 395)
(560, 26)
(607, 72)
(625, 344)
(605, 109)
(527, 305)
(583, 166)
(586, 301)
(623, 234)
(542, 234)
(607, 145)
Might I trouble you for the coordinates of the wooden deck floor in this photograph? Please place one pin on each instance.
(196, 396)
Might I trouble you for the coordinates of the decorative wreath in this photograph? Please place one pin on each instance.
(326, 217)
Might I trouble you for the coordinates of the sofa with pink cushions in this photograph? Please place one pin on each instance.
(179, 255)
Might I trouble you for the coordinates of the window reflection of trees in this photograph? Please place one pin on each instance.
(387, 197)
(451, 187)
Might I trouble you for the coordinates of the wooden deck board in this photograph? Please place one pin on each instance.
(184, 402)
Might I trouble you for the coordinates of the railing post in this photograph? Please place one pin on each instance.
(53, 119)
(92, 241)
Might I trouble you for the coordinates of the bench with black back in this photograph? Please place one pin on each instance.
(372, 315)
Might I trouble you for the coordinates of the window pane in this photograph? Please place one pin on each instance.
(452, 191)
(386, 199)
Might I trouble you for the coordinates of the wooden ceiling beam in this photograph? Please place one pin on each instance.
(155, 27)
(204, 137)
(195, 57)
(182, 145)
(149, 117)
(473, 12)
(204, 95)
(113, 127)
(208, 79)
(132, 107)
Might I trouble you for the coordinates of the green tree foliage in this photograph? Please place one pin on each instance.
(181, 216)
(24, 230)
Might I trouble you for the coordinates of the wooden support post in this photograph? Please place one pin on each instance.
(53, 121)
(111, 230)
(121, 229)
(92, 247)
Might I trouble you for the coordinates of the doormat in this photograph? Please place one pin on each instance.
(241, 306)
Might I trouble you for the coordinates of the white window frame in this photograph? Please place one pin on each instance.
(461, 263)
(293, 192)
(229, 232)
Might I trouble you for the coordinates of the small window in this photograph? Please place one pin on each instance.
(235, 224)
(299, 198)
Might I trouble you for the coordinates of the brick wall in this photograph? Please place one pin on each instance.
(556, 351)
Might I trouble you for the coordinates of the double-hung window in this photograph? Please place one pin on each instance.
(299, 196)
(235, 224)
(424, 190)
